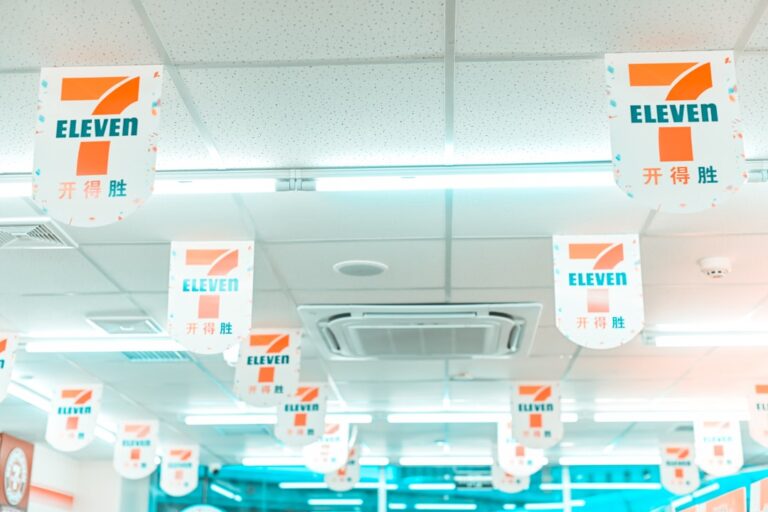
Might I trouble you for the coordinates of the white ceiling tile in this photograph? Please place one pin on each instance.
(274, 309)
(405, 296)
(17, 124)
(595, 386)
(700, 305)
(543, 295)
(296, 30)
(478, 213)
(323, 116)
(16, 207)
(382, 395)
(548, 342)
(751, 70)
(627, 368)
(411, 264)
(515, 263)
(75, 33)
(531, 111)
(348, 215)
(516, 367)
(733, 363)
(50, 271)
(387, 371)
(637, 347)
(492, 27)
(759, 39)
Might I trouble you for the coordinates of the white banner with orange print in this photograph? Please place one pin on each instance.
(268, 368)
(180, 470)
(758, 496)
(330, 452)
(96, 142)
(734, 501)
(210, 294)
(8, 344)
(536, 421)
(598, 289)
(73, 415)
(513, 457)
(346, 477)
(507, 482)
(136, 449)
(718, 447)
(301, 418)
(679, 473)
(758, 414)
(676, 132)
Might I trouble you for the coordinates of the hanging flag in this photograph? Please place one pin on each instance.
(329, 453)
(136, 449)
(301, 418)
(346, 477)
(210, 295)
(180, 470)
(72, 418)
(679, 473)
(718, 447)
(676, 134)
(514, 458)
(598, 289)
(8, 343)
(758, 496)
(758, 414)
(96, 142)
(734, 501)
(507, 482)
(268, 368)
(536, 421)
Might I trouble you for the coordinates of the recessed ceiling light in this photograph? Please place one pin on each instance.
(360, 268)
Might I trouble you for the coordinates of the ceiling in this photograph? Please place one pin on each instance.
(349, 83)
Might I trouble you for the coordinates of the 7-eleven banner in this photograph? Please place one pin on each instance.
(734, 501)
(598, 289)
(210, 294)
(180, 470)
(8, 343)
(136, 449)
(330, 452)
(536, 421)
(718, 447)
(346, 477)
(96, 142)
(758, 496)
(72, 418)
(301, 418)
(507, 482)
(758, 414)
(268, 368)
(514, 458)
(679, 473)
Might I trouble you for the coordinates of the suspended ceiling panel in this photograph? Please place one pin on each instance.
(544, 295)
(17, 124)
(759, 39)
(692, 305)
(523, 262)
(751, 71)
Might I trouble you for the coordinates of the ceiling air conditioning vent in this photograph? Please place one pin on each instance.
(156, 357)
(416, 331)
(33, 233)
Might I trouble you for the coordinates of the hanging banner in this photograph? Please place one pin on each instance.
(8, 343)
(346, 477)
(507, 482)
(210, 294)
(180, 470)
(514, 458)
(679, 473)
(536, 421)
(16, 471)
(598, 289)
(268, 368)
(301, 418)
(96, 142)
(758, 496)
(718, 447)
(72, 418)
(330, 452)
(758, 414)
(734, 501)
(136, 449)
(676, 135)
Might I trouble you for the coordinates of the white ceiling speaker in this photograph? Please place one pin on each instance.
(715, 267)
(418, 331)
(360, 268)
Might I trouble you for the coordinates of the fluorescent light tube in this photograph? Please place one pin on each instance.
(666, 416)
(706, 490)
(272, 461)
(522, 180)
(397, 506)
(553, 506)
(27, 395)
(613, 460)
(605, 486)
(446, 461)
(226, 492)
(445, 506)
(19, 189)
(473, 478)
(323, 485)
(374, 460)
(735, 339)
(432, 487)
(105, 435)
(317, 502)
(510, 506)
(462, 417)
(101, 345)
(266, 419)
(213, 186)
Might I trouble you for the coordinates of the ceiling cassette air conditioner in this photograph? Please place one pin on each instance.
(420, 331)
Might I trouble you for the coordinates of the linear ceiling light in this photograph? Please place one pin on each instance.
(397, 506)
(374, 460)
(462, 417)
(724, 339)
(218, 489)
(445, 506)
(101, 345)
(323, 485)
(269, 461)
(266, 419)
(334, 502)
(447, 461)
(214, 186)
(666, 416)
(605, 486)
(432, 487)
(554, 506)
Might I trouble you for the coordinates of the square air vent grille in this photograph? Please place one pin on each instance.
(156, 357)
(33, 233)
(125, 325)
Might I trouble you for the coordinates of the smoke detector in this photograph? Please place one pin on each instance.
(715, 267)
